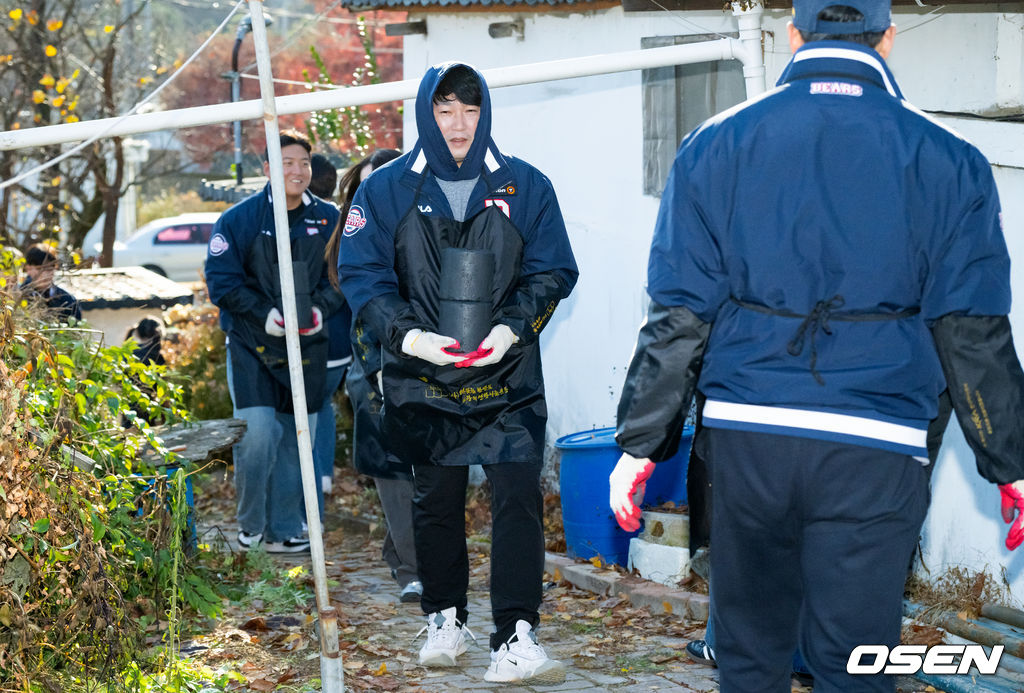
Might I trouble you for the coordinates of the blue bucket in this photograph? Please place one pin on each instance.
(587, 458)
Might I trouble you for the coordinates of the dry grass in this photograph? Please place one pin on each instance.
(958, 590)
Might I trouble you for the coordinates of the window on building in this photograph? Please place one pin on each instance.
(677, 99)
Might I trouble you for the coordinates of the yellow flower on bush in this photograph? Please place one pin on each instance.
(61, 85)
(38, 96)
(15, 14)
(72, 118)
(108, 28)
(59, 101)
(54, 24)
(50, 50)
(47, 80)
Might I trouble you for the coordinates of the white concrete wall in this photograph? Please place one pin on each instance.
(585, 134)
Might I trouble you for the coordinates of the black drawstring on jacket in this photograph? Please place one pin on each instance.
(818, 319)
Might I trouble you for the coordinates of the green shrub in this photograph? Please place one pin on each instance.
(197, 356)
(91, 526)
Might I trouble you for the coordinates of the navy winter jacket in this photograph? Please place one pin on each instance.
(389, 265)
(821, 231)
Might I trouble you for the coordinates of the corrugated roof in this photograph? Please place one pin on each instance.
(123, 287)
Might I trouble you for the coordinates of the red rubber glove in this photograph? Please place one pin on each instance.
(627, 484)
(492, 349)
(1013, 504)
(318, 323)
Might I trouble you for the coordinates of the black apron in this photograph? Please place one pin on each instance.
(369, 451)
(254, 353)
(460, 416)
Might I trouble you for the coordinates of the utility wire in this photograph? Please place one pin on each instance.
(296, 34)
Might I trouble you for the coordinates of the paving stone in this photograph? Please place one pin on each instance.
(363, 578)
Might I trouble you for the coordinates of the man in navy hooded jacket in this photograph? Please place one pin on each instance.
(443, 412)
(242, 275)
(821, 310)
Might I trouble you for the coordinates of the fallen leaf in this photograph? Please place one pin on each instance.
(262, 685)
(295, 642)
(257, 623)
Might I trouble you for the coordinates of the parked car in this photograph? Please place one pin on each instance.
(173, 246)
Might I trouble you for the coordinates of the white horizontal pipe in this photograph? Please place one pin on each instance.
(720, 49)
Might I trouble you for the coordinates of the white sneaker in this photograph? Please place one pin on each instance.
(446, 639)
(327, 485)
(247, 541)
(291, 545)
(521, 659)
(412, 592)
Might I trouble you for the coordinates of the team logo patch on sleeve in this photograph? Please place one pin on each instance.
(218, 244)
(355, 220)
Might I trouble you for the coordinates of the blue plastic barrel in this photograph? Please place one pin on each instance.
(587, 458)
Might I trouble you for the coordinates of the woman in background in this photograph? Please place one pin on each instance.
(369, 451)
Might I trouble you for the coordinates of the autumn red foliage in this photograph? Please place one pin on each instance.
(335, 37)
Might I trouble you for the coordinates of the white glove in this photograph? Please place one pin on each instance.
(318, 323)
(430, 346)
(275, 323)
(627, 484)
(494, 347)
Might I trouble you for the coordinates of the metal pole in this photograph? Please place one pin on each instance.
(683, 54)
(236, 96)
(331, 673)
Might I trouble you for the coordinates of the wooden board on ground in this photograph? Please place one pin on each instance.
(199, 441)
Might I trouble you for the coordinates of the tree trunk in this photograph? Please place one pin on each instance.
(111, 190)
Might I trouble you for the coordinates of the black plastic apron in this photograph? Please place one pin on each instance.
(460, 416)
(255, 353)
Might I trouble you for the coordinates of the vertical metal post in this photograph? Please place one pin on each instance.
(236, 96)
(331, 672)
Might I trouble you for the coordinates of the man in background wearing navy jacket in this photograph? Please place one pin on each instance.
(822, 311)
(243, 281)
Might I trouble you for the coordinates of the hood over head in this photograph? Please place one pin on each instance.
(433, 144)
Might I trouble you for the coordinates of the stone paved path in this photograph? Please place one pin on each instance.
(606, 642)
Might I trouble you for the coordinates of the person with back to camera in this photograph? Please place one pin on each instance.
(40, 265)
(445, 410)
(243, 279)
(392, 479)
(822, 314)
